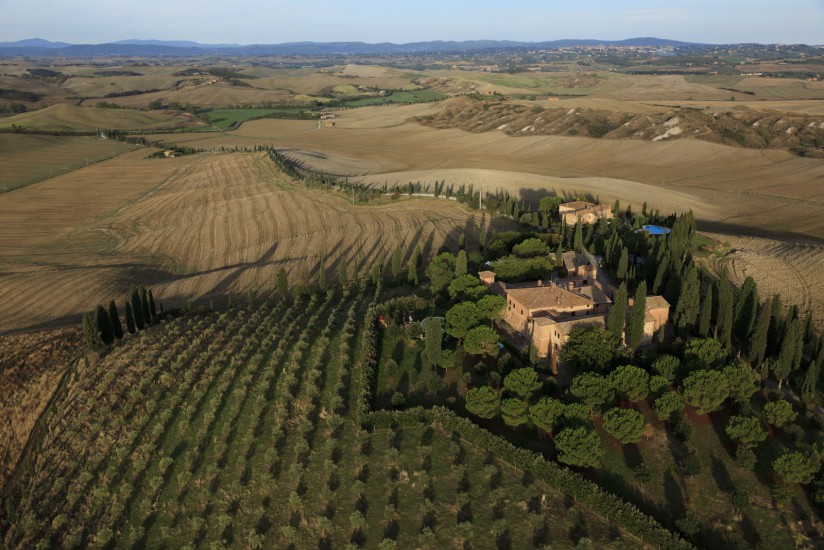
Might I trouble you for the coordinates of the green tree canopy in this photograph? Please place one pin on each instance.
(637, 316)
(625, 425)
(704, 353)
(481, 341)
(779, 413)
(468, 286)
(741, 381)
(441, 271)
(491, 306)
(483, 402)
(104, 325)
(546, 412)
(579, 447)
(797, 467)
(667, 366)
(668, 403)
(630, 381)
(460, 263)
(549, 204)
(531, 248)
(616, 318)
(433, 337)
(522, 382)
(461, 317)
(514, 411)
(592, 389)
(746, 431)
(705, 390)
(589, 348)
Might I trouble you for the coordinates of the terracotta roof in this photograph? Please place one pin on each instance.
(548, 297)
(486, 274)
(599, 320)
(656, 302)
(577, 205)
(595, 293)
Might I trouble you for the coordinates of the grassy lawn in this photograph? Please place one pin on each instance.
(224, 118)
(415, 96)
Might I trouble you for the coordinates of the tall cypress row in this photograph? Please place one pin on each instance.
(746, 308)
(130, 324)
(616, 318)
(723, 327)
(705, 317)
(137, 309)
(103, 325)
(758, 343)
(686, 311)
(152, 307)
(144, 304)
(114, 318)
(637, 316)
(283, 283)
(776, 332)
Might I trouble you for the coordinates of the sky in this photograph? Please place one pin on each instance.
(275, 21)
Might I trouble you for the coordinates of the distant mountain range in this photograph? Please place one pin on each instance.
(39, 47)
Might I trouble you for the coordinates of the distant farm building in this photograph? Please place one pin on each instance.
(587, 212)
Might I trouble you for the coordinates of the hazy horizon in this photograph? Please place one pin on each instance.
(258, 22)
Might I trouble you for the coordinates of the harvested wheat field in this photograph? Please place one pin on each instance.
(195, 227)
(31, 366)
(62, 117)
(26, 159)
(791, 269)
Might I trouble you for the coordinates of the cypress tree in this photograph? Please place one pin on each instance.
(144, 302)
(433, 334)
(461, 264)
(723, 327)
(376, 273)
(130, 325)
(705, 316)
(482, 240)
(283, 283)
(578, 240)
(114, 318)
(137, 309)
(89, 332)
(461, 243)
(786, 356)
(808, 327)
(103, 325)
(616, 318)
(776, 331)
(559, 256)
(616, 207)
(152, 307)
(808, 385)
(758, 343)
(689, 301)
(661, 274)
(623, 264)
(637, 316)
(746, 308)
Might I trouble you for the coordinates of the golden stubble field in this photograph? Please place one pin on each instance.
(193, 228)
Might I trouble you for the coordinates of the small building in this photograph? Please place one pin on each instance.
(587, 212)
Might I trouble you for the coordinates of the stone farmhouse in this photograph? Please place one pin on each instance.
(544, 313)
(587, 212)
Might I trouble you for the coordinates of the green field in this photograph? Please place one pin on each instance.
(251, 427)
(415, 96)
(224, 118)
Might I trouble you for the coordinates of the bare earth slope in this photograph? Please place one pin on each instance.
(744, 127)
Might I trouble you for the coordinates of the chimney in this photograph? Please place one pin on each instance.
(570, 285)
